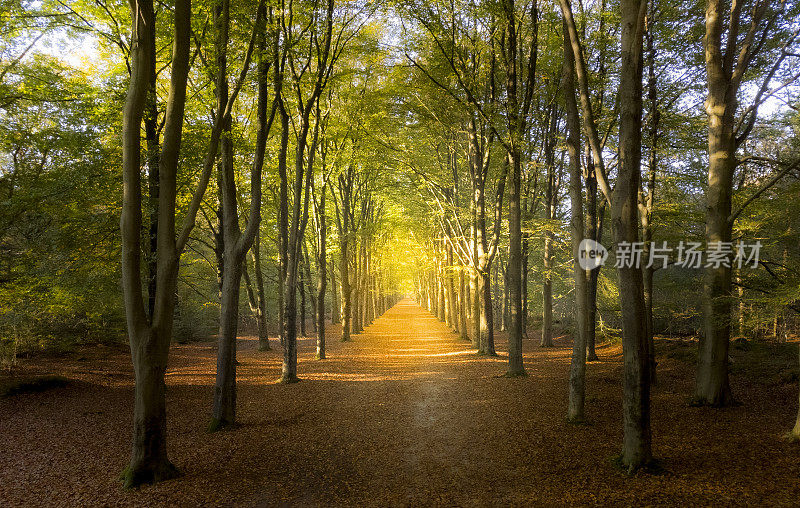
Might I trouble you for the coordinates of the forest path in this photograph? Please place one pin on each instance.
(404, 414)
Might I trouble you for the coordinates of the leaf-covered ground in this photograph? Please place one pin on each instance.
(405, 414)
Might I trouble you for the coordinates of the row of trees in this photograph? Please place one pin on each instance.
(313, 151)
(296, 49)
(583, 120)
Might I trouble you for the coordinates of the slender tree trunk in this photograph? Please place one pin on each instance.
(335, 304)
(516, 122)
(153, 162)
(550, 206)
(475, 289)
(525, 272)
(647, 204)
(577, 371)
(344, 268)
(235, 243)
(592, 234)
(302, 287)
(547, 296)
(261, 300)
(462, 305)
(322, 264)
(224, 410)
(487, 316)
(636, 449)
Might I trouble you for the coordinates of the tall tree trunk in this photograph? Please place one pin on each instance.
(344, 261)
(335, 304)
(649, 199)
(302, 287)
(577, 371)
(475, 289)
(451, 291)
(462, 304)
(322, 276)
(591, 234)
(235, 242)
(712, 387)
(224, 410)
(515, 366)
(525, 272)
(261, 300)
(636, 449)
(550, 206)
(153, 162)
(149, 336)
(487, 316)
(504, 310)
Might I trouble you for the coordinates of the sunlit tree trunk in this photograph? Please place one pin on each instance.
(712, 386)
(451, 292)
(463, 304)
(343, 221)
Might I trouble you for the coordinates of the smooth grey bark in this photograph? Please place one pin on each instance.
(726, 69)
(301, 188)
(149, 335)
(592, 233)
(636, 447)
(550, 208)
(577, 370)
(463, 304)
(646, 201)
(712, 386)
(236, 243)
(322, 267)
(343, 221)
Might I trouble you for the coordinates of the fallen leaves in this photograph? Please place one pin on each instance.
(399, 416)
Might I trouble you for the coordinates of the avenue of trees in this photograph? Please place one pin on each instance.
(209, 169)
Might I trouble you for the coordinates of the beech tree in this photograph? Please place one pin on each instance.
(636, 447)
(729, 56)
(236, 243)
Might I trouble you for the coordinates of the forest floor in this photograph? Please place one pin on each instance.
(404, 414)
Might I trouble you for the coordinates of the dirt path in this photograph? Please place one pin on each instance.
(405, 414)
